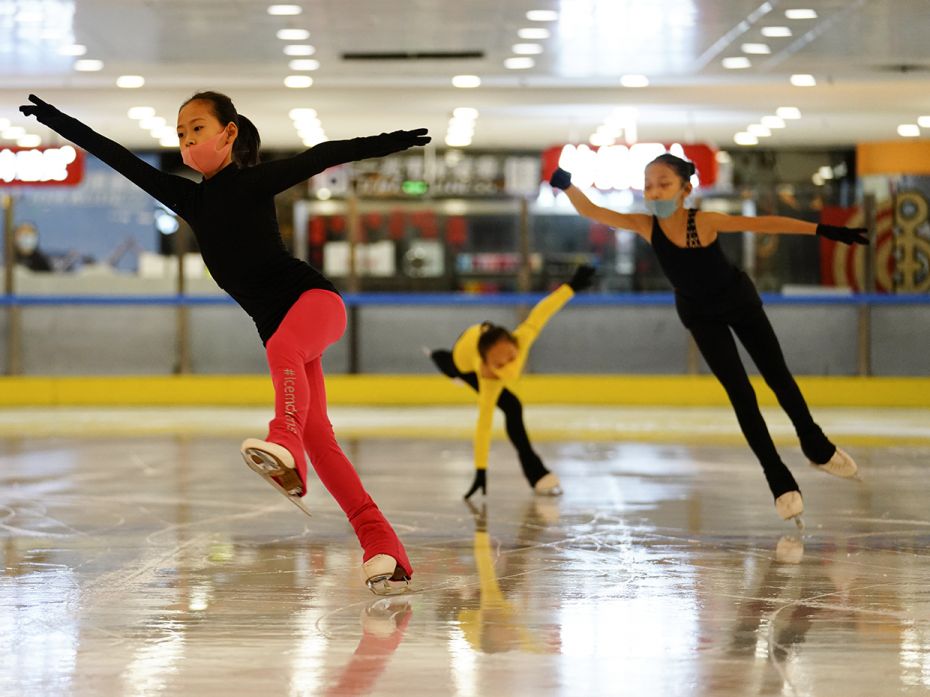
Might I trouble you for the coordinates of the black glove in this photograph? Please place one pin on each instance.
(480, 482)
(388, 143)
(846, 235)
(583, 278)
(560, 179)
(43, 111)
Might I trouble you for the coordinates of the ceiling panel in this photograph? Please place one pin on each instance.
(870, 58)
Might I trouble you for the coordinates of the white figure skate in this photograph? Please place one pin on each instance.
(384, 576)
(790, 506)
(275, 464)
(840, 465)
(549, 485)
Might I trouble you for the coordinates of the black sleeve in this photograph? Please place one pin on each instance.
(169, 189)
(275, 176)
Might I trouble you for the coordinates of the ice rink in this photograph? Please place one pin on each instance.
(141, 557)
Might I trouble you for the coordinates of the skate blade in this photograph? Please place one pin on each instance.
(799, 521)
(261, 470)
(384, 586)
(552, 492)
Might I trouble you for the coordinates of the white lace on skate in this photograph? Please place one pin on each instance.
(384, 576)
(549, 485)
(790, 506)
(840, 465)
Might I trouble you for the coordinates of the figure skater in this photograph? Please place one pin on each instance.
(490, 359)
(712, 296)
(297, 311)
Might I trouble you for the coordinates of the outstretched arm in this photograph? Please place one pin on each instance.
(778, 224)
(171, 190)
(488, 393)
(635, 222)
(277, 175)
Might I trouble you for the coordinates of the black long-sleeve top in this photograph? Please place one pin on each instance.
(233, 216)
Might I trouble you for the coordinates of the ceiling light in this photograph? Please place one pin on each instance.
(316, 140)
(152, 122)
(29, 140)
(803, 80)
(465, 112)
(601, 139)
(776, 32)
(130, 82)
(86, 65)
(466, 81)
(909, 130)
(298, 81)
(923, 121)
(72, 50)
(284, 10)
(788, 112)
(634, 81)
(542, 15)
(299, 50)
(13, 132)
(825, 172)
(817, 179)
(758, 130)
(304, 64)
(736, 63)
(533, 33)
(723, 157)
(293, 34)
(744, 138)
(527, 49)
(300, 113)
(140, 112)
(163, 132)
(801, 14)
(759, 49)
(773, 121)
(169, 141)
(457, 141)
(519, 63)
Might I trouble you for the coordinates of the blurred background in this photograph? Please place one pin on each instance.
(817, 110)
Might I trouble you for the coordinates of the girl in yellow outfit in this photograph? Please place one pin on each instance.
(490, 359)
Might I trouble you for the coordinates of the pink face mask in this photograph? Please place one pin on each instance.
(206, 157)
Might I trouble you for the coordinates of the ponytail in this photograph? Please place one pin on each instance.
(248, 142)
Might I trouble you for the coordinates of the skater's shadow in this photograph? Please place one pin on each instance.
(384, 623)
(492, 622)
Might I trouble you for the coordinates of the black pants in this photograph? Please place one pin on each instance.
(718, 347)
(532, 464)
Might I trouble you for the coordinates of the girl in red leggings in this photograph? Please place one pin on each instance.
(297, 311)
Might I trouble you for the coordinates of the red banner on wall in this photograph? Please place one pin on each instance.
(703, 156)
(50, 166)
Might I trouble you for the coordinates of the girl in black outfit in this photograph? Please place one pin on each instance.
(712, 297)
(297, 311)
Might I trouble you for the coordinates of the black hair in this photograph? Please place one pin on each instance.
(490, 334)
(683, 168)
(248, 141)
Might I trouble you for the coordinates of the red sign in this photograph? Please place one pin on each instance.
(50, 166)
(703, 156)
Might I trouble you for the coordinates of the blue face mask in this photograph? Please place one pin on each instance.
(661, 208)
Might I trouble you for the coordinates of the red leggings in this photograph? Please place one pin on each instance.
(295, 350)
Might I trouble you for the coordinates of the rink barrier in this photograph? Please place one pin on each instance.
(421, 390)
(461, 299)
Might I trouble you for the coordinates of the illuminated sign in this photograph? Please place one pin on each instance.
(621, 166)
(62, 166)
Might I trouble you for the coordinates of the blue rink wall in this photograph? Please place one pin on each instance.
(640, 334)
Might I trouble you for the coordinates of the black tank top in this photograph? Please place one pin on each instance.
(706, 283)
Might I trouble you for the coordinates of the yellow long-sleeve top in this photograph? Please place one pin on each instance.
(468, 360)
